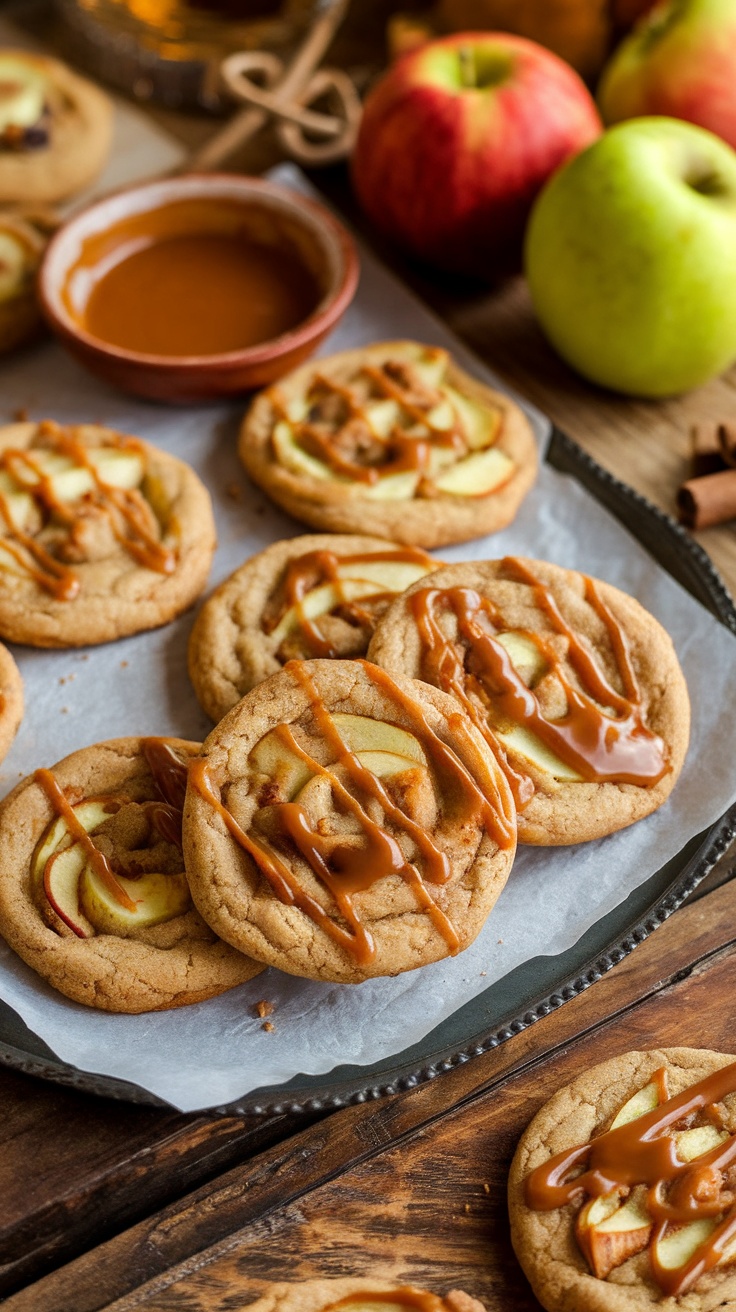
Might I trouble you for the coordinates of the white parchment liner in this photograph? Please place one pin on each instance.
(215, 1052)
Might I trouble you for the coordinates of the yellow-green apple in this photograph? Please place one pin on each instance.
(631, 258)
(457, 139)
(680, 60)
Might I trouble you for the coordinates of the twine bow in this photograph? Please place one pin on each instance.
(274, 91)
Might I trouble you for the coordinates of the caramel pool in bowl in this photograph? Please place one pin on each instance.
(197, 287)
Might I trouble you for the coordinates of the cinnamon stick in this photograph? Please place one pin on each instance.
(703, 502)
(705, 450)
(727, 443)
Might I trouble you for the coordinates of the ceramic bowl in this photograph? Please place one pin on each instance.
(288, 219)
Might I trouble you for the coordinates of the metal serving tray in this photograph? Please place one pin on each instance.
(539, 985)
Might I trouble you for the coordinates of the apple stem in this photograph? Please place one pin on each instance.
(466, 58)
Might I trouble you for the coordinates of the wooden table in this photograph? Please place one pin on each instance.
(104, 1205)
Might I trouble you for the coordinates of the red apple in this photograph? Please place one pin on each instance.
(680, 61)
(457, 139)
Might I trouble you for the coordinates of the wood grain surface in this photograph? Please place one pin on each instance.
(399, 1187)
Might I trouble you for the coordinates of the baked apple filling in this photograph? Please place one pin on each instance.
(114, 865)
(395, 430)
(74, 496)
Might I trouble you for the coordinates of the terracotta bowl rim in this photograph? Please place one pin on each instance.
(223, 185)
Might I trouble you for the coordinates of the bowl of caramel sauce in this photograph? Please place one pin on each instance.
(197, 287)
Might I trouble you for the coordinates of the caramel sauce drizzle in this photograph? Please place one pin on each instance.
(170, 774)
(121, 505)
(346, 868)
(170, 777)
(642, 1153)
(401, 453)
(602, 735)
(324, 567)
(97, 860)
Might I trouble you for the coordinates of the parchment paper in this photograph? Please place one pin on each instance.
(212, 1053)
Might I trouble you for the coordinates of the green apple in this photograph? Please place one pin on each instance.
(631, 258)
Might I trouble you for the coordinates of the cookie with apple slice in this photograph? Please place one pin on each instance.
(55, 129)
(93, 888)
(360, 1294)
(101, 535)
(621, 1192)
(342, 825)
(316, 595)
(394, 440)
(11, 700)
(575, 686)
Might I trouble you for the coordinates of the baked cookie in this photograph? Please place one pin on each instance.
(576, 687)
(101, 535)
(316, 595)
(11, 700)
(394, 440)
(23, 237)
(93, 890)
(341, 825)
(621, 1191)
(360, 1294)
(55, 129)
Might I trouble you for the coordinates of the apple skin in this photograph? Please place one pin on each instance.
(632, 270)
(679, 61)
(449, 171)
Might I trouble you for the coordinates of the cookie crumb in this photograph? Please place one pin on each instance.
(65, 710)
(264, 1008)
(84, 656)
(467, 1208)
(234, 491)
(20, 415)
(268, 1027)
(500, 940)
(483, 974)
(124, 665)
(486, 1187)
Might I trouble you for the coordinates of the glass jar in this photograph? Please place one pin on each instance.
(166, 50)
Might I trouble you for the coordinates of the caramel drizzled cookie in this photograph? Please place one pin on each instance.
(342, 825)
(316, 595)
(360, 1294)
(621, 1193)
(55, 129)
(393, 440)
(11, 700)
(575, 686)
(23, 237)
(93, 889)
(101, 535)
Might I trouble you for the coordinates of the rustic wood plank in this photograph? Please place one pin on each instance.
(74, 1168)
(431, 1210)
(255, 1194)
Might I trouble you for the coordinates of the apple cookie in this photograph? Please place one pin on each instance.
(393, 440)
(23, 238)
(55, 129)
(101, 535)
(575, 686)
(11, 700)
(341, 825)
(93, 888)
(621, 1192)
(309, 596)
(360, 1294)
